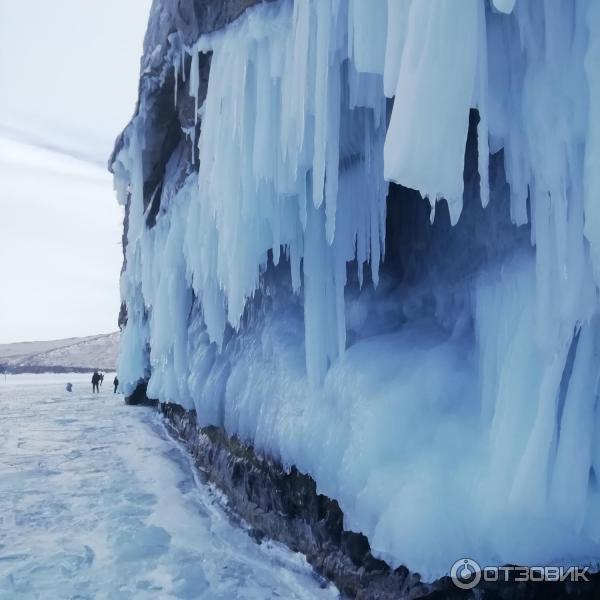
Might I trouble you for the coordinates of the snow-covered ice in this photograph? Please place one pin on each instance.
(96, 501)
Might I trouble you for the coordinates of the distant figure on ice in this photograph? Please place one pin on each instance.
(101, 378)
(95, 382)
(116, 384)
(69, 387)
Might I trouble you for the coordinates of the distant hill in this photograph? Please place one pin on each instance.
(61, 356)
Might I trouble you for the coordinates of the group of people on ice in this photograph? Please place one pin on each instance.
(98, 379)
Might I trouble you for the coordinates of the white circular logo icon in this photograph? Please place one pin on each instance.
(465, 573)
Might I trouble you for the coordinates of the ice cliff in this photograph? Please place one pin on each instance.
(364, 236)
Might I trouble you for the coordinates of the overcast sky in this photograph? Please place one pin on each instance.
(68, 83)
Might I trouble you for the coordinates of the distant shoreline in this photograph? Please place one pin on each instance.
(39, 369)
(69, 355)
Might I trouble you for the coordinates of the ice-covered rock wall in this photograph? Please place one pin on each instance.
(433, 365)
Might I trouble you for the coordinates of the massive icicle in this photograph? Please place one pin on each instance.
(429, 122)
(272, 178)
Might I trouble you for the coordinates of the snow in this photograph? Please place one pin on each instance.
(444, 412)
(97, 501)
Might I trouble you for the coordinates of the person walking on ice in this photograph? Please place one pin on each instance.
(116, 384)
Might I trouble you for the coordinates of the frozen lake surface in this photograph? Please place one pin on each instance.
(96, 501)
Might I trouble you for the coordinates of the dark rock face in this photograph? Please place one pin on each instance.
(285, 506)
(196, 17)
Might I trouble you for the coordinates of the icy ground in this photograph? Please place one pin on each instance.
(96, 501)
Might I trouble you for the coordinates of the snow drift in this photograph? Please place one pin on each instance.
(433, 366)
